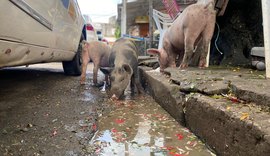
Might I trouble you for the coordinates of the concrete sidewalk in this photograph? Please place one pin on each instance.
(228, 108)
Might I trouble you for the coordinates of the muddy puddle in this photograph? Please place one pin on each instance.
(140, 127)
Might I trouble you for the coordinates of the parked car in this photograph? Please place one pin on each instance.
(90, 32)
(38, 31)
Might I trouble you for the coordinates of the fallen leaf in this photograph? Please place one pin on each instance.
(244, 116)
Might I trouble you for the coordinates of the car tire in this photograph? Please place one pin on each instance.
(74, 67)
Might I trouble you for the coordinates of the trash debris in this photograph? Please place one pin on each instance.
(54, 120)
(54, 132)
(104, 87)
(232, 98)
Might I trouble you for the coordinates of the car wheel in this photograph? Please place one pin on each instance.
(73, 67)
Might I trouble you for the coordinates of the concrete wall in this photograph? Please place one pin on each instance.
(107, 29)
(141, 8)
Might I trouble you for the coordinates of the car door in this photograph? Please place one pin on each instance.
(68, 25)
(27, 21)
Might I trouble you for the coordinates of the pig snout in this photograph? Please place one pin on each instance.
(116, 93)
(114, 97)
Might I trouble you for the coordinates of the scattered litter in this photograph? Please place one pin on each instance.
(70, 128)
(104, 87)
(232, 98)
(179, 136)
(54, 120)
(54, 133)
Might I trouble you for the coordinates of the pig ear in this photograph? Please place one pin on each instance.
(127, 68)
(153, 51)
(106, 70)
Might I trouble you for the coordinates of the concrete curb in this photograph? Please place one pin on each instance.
(227, 127)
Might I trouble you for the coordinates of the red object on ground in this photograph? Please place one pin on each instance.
(119, 121)
(179, 136)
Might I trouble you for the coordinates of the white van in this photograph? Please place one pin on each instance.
(37, 31)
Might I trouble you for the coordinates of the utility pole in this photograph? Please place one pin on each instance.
(150, 23)
(266, 31)
(124, 18)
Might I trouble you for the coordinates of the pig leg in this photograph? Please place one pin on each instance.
(172, 59)
(95, 71)
(207, 35)
(107, 79)
(138, 83)
(189, 47)
(132, 84)
(85, 60)
(139, 86)
(128, 91)
(202, 61)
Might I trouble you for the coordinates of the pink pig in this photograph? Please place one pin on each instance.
(99, 53)
(195, 24)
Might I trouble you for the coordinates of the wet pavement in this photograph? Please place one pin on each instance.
(141, 127)
(44, 112)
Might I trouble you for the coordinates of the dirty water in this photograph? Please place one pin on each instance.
(140, 127)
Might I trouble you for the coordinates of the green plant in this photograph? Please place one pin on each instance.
(117, 33)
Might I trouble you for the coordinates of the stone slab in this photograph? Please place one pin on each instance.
(195, 98)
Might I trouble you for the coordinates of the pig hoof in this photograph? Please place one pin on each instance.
(203, 65)
(114, 98)
(82, 83)
(182, 66)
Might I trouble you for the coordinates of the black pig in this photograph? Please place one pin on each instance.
(123, 68)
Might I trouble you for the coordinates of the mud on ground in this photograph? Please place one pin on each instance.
(44, 112)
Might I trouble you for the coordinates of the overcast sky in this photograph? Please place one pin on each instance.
(99, 10)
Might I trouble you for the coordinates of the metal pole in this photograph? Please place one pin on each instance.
(266, 27)
(124, 18)
(150, 23)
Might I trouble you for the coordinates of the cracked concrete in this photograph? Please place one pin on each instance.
(228, 108)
